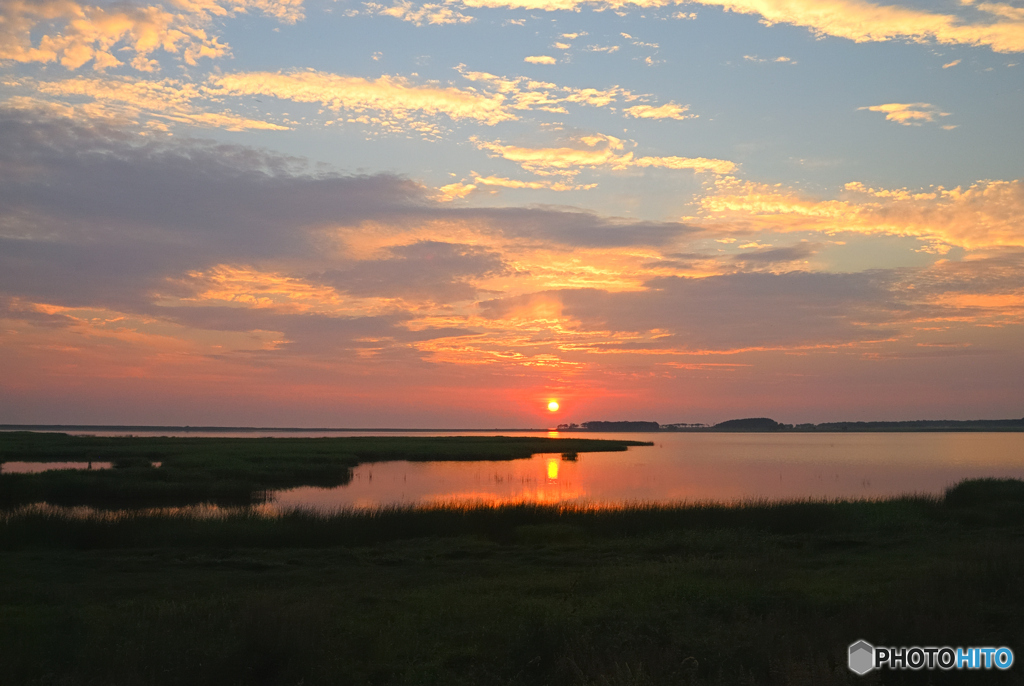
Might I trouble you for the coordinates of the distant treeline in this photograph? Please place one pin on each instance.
(766, 424)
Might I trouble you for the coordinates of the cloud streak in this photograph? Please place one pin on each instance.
(908, 114)
(855, 20)
(396, 96)
(596, 151)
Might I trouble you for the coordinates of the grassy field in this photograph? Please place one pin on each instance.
(532, 595)
(233, 471)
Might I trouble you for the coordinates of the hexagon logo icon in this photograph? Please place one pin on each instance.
(862, 657)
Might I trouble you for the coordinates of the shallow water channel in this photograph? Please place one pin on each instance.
(690, 467)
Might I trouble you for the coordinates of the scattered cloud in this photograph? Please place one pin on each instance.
(429, 13)
(75, 34)
(780, 59)
(951, 64)
(539, 59)
(524, 93)
(159, 103)
(592, 151)
(985, 215)
(503, 182)
(669, 110)
(856, 20)
(455, 191)
(908, 114)
(395, 96)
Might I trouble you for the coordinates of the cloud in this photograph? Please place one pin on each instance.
(781, 58)
(985, 215)
(455, 191)
(75, 34)
(999, 9)
(125, 98)
(593, 151)
(908, 114)
(526, 93)
(951, 64)
(395, 96)
(698, 164)
(539, 59)
(773, 257)
(669, 110)
(235, 271)
(425, 270)
(430, 13)
(856, 20)
(724, 313)
(502, 182)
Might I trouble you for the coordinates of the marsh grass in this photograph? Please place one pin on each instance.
(521, 594)
(85, 528)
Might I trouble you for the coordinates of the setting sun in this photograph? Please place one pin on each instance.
(553, 406)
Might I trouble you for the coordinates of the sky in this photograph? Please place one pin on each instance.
(447, 214)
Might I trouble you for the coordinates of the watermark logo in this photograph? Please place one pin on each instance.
(863, 657)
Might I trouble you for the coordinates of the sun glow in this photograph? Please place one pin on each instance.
(553, 406)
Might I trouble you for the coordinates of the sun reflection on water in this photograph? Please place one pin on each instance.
(552, 470)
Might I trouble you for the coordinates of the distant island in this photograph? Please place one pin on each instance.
(761, 424)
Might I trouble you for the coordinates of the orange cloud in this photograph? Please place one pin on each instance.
(248, 287)
(454, 191)
(167, 100)
(988, 214)
(539, 59)
(669, 110)
(396, 96)
(526, 93)
(856, 20)
(75, 34)
(908, 114)
(534, 185)
(597, 150)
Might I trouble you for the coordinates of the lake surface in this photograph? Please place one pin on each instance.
(690, 467)
(37, 467)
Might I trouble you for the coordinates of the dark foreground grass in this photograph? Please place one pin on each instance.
(753, 594)
(233, 471)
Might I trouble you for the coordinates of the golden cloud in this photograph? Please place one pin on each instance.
(988, 214)
(539, 59)
(127, 98)
(75, 34)
(527, 94)
(595, 151)
(856, 20)
(669, 110)
(502, 182)
(394, 95)
(908, 114)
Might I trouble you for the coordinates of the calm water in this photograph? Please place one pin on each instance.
(691, 467)
(36, 467)
(685, 467)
